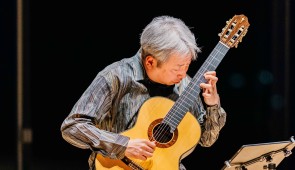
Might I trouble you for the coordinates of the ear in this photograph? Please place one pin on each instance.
(150, 62)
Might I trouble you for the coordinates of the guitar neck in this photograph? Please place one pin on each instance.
(210, 64)
(191, 92)
(235, 29)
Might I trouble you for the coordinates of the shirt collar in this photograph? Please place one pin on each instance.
(139, 68)
(140, 73)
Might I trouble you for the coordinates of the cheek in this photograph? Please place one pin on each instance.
(170, 75)
(167, 75)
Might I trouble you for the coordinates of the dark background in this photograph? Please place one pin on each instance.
(66, 43)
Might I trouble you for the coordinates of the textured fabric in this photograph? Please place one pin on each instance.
(111, 104)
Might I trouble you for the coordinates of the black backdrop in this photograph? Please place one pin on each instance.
(67, 43)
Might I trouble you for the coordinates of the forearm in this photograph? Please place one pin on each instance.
(81, 133)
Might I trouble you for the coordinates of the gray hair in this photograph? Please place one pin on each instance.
(166, 35)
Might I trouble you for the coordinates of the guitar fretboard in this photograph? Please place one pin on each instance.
(190, 94)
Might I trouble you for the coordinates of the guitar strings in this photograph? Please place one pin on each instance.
(177, 108)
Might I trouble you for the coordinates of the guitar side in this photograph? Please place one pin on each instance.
(167, 155)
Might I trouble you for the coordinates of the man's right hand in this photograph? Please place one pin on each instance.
(140, 149)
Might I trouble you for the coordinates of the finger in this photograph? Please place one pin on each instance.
(210, 73)
(211, 78)
(205, 86)
(142, 154)
(141, 157)
(149, 149)
(206, 95)
(147, 154)
(151, 144)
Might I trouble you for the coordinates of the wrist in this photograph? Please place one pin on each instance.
(214, 105)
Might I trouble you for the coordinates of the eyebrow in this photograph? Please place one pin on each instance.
(182, 64)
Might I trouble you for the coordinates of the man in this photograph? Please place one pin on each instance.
(110, 105)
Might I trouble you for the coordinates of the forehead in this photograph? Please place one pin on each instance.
(178, 60)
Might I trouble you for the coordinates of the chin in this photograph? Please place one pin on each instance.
(172, 83)
(168, 84)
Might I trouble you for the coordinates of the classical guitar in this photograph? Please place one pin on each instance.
(175, 130)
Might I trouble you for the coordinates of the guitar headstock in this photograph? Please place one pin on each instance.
(235, 29)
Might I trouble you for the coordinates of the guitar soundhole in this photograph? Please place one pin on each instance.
(160, 132)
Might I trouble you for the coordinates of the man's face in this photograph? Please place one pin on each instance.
(172, 71)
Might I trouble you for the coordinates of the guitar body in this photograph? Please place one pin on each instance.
(168, 153)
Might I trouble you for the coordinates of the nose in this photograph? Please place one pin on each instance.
(181, 74)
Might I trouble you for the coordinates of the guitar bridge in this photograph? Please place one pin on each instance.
(132, 164)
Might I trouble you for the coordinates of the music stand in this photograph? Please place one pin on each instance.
(262, 156)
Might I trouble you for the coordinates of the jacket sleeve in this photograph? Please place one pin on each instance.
(212, 119)
(80, 127)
